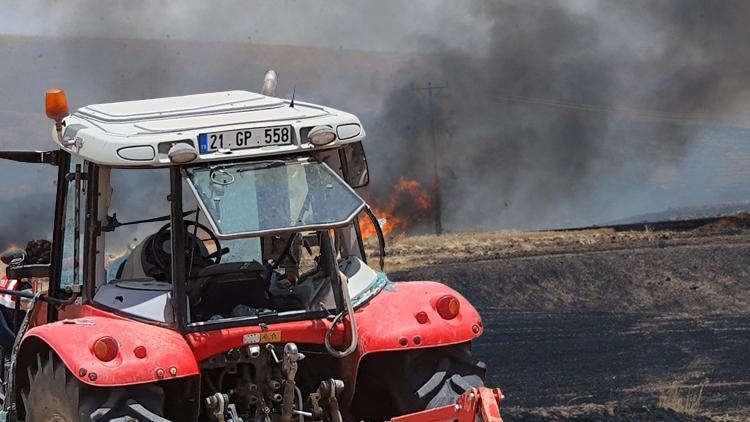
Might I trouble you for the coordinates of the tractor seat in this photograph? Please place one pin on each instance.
(219, 288)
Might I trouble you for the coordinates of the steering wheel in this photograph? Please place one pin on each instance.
(161, 246)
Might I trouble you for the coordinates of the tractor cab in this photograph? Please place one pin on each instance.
(219, 209)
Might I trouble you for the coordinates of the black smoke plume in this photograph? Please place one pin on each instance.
(556, 113)
(567, 109)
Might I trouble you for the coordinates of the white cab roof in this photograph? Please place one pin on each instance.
(140, 133)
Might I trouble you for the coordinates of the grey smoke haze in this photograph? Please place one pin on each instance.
(385, 25)
(534, 128)
(556, 113)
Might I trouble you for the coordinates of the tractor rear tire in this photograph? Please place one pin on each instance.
(55, 395)
(398, 383)
(52, 395)
(438, 377)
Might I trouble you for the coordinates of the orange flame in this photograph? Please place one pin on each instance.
(408, 203)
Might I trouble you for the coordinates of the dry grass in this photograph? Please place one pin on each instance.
(404, 252)
(682, 398)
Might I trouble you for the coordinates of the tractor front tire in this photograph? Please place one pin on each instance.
(55, 395)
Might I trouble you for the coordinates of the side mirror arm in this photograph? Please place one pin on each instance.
(28, 294)
(19, 272)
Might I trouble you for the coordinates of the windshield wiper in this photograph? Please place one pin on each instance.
(220, 176)
(260, 165)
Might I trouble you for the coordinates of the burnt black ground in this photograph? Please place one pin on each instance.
(612, 328)
(543, 359)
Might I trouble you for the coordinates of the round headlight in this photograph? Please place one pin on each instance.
(448, 307)
(105, 349)
(321, 135)
(182, 153)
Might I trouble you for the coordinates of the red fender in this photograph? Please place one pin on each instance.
(167, 355)
(391, 320)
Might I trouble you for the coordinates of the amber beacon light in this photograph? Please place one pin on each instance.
(56, 105)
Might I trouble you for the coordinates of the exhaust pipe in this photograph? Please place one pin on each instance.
(270, 80)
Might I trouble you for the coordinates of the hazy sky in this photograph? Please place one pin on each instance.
(348, 24)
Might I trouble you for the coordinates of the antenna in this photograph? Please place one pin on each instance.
(294, 91)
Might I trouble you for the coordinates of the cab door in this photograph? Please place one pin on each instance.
(61, 276)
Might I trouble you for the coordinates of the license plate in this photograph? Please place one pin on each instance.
(245, 138)
(264, 337)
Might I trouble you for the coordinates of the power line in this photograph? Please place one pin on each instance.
(437, 204)
(668, 116)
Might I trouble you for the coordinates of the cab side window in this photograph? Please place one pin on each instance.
(74, 225)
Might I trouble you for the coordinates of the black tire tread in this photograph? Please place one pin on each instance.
(53, 390)
(455, 369)
(397, 383)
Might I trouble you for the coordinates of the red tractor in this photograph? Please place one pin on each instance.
(207, 264)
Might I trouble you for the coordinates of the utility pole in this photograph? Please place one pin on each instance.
(437, 203)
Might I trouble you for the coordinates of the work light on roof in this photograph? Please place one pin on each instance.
(270, 80)
(321, 135)
(182, 153)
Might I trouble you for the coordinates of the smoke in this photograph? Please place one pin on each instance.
(569, 110)
(554, 114)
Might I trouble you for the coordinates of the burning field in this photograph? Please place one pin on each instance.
(603, 324)
(407, 205)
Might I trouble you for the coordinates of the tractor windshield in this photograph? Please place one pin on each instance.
(266, 241)
(255, 198)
